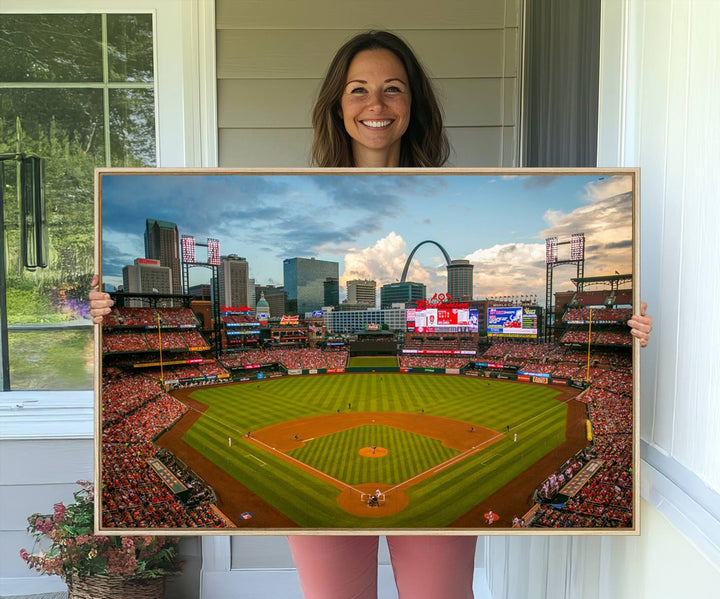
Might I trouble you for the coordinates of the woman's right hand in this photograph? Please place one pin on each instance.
(100, 302)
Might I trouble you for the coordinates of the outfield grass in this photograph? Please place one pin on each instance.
(529, 410)
(373, 362)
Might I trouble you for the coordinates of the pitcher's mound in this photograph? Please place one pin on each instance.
(373, 452)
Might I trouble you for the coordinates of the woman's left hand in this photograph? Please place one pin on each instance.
(641, 325)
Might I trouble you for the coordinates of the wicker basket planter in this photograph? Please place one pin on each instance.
(116, 587)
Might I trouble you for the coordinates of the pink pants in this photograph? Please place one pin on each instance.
(425, 567)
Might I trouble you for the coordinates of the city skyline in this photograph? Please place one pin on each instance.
(369, 223)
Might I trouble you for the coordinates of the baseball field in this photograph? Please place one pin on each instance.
(310, 451)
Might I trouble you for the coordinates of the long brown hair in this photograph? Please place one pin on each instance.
(423, 144)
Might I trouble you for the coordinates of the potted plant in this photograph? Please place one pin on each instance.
(96, 566)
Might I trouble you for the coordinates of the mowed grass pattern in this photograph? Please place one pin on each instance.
(408, 454)
(529, 410)
(372, 362)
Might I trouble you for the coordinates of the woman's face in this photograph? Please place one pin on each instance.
(375, 107)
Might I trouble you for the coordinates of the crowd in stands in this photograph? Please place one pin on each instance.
(537, 367)
(121, 342)
(124, 393)
(582, 315)
(606, 500)
(149, 317)
(579, 336)
(135, 411)
(307, 358)
(566, 371)
(124, 341)
(413, 361)
(614, 338)
(177, 317)
(615, 381)
(134, 496)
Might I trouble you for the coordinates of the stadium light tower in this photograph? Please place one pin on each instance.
(553, 259)
(188, 245)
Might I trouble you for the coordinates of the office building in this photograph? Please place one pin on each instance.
(360, 291)
(146, 276)
(460, 280)
(396, 293)
(331, 292)
(162, 243)
(304, 282)
(233, 280)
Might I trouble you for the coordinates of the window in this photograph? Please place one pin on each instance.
(78, 91)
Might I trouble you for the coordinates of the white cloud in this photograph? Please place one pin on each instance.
(509, 269)
(606, 221)
(384, 261)
(519, 268)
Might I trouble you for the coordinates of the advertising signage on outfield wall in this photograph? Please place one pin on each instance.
(514, 321)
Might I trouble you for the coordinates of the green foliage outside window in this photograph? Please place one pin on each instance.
(76, 90)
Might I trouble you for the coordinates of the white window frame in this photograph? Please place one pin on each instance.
(186, 135)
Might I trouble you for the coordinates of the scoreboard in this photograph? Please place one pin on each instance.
(513, 321)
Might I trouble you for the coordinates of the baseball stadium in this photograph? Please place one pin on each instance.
(219, 418)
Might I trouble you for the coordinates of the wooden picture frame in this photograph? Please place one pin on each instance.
(471, 410)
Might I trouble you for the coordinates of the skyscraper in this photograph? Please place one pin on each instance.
(460, 280)
(233, 280)
(360, 291)
(331, 287)
(407, 291)
(146, 276)
(162, 243)
(304, 283)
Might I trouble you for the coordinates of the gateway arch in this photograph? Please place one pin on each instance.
(415, 249)
(460, 272)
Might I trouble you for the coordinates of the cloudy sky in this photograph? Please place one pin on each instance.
(370, 223)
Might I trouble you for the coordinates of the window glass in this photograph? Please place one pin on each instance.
(37, 48)
(77, 103)
(129, 37)
(132, 127)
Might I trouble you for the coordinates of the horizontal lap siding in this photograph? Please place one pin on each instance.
(271, 60)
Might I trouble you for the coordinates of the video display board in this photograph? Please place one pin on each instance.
(442, 320)
(512, 321)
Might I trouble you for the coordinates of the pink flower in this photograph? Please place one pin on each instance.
(24, 555)
(128, 543)
(59, 512)
(121, 562)
(43, 526)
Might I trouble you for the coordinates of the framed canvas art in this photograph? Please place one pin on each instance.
(403, 351)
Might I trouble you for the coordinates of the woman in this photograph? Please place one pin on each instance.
(376, 108)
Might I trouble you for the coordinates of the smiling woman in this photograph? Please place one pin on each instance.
(375, 107)
(370, 87)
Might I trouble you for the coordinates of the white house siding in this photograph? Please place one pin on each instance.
(271, 57)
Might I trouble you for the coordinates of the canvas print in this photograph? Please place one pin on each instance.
(397, 351)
